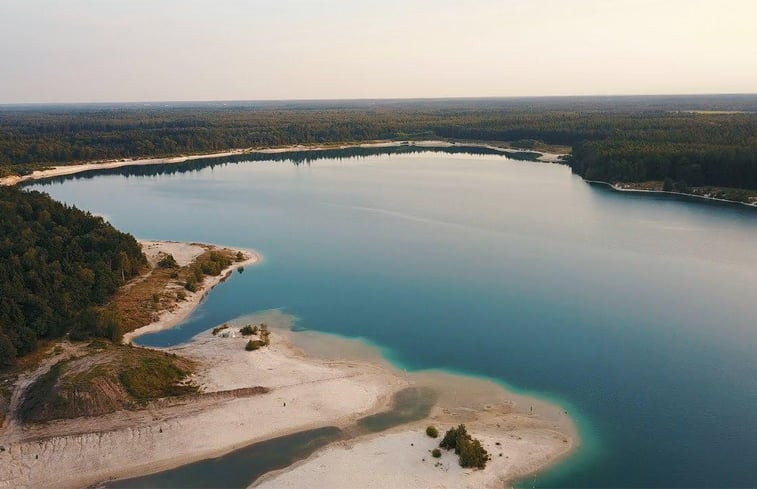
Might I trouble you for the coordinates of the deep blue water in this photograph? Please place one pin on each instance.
(638, 312)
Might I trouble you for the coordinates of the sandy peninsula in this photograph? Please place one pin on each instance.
(184, 254)
(301, 381)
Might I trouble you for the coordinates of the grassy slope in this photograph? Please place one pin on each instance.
(108, 378)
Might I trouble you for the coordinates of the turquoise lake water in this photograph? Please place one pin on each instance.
(637, 312)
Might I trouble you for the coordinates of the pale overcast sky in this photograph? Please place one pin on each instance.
(143, 50)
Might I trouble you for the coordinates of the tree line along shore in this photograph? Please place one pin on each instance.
(681, 143)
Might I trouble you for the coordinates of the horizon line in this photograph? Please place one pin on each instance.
(378, 99)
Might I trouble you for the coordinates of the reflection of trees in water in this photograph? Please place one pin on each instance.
(294, 157)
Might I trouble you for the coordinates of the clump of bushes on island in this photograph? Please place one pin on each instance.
(432, 431)
(249, 330)
(261, 331)
(470, 450)
(253, 345)
(219, 329)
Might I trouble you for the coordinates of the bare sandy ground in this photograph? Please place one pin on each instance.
(313, 380)
(402, 459)
(62, 170)
(79, 452)
(522, 434)
(184, 254)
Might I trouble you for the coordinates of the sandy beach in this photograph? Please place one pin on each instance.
(303, 380)
(61, 170)
(80, 452)
(402, 459)
(522, 434)
(625, 188)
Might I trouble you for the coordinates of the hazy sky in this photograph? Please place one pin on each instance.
(139, 50)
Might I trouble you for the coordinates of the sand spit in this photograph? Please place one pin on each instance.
(184, 254)
(522, 434)
(311, 380)
(79, 452)
(62, 170)
(403, 459)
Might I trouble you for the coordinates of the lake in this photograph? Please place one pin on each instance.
(634, 312)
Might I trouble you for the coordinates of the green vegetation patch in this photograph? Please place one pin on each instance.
(248, 330)
(168, 261)
(155, 377)
(108, 379)
(470, 450)
(218, 329)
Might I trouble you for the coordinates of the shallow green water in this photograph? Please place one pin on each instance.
(635, 311)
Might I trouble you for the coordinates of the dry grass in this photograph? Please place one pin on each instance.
(142, 301)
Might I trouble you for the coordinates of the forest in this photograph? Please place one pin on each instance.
(691, 140)
(57, 266)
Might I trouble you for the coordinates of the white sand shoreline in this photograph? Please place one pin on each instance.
(84, 451)
(62, 170)
(306, 390)
(618, 188)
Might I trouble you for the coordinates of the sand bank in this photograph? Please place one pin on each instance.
(522, 434)
(184, 254)
(403, 460)
(311, 380)
(79, 452)
(62, 170)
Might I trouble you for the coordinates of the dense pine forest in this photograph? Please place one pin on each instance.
(687, 140)
(57, 264)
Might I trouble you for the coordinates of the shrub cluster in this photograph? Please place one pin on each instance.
(470, 450)
(248, 330)
(261, 331)
(219, 329)
(253, 345)
(168, 261)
